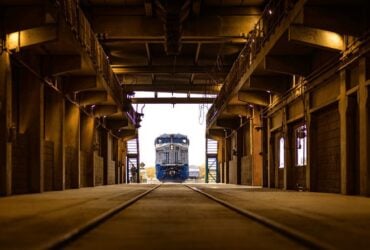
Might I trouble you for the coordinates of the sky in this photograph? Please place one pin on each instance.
(186, 119)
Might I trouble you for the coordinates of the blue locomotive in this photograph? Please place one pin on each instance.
(171, 161)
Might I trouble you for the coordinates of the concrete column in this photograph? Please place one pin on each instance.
(287, 147)
(309, 148)
(104, 150)
(256, 134)
(87, 130)
(53, 144)
(5, 125)
(72, 145)
(270, 163)
(239, 153)
(28, 168)
(227, 157)
(343, 103)
(363, 99)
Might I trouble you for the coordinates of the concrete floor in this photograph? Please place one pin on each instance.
(175, 217)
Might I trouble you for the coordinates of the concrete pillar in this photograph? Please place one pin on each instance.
(343, 103)
(5, 125)
(53, 144)
(287, 147)
(363, 99)
(239, 154)
(28, 167)
(104, 154)
(256, 148)
(227, 157)
(71, 145)
(309, 147)
(87, 130)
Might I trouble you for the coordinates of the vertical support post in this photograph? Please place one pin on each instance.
(309, 142)
(6, 128)
(363, 98)
(343, 103)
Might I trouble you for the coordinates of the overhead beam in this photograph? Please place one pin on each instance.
(79, 83)
(104, 110)
(168, 87)
(62, 64)
(288, 64)
(111, 40)
(116, 123)
(30, 37)
(256, 97)
(148, 54)
(148, 8)
(126, 134)
(167, 68)
(196, 7)
(171, 100)
(231, 123)
(276, 84)
(316, 37)
(206, 25)
(239, 110)
(92, 97)
(216, 134)
(343, 19)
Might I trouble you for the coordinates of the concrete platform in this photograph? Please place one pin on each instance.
(181, 216)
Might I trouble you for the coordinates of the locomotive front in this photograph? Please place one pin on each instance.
(172, 157)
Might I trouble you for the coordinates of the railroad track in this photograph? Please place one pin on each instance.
(292, 234)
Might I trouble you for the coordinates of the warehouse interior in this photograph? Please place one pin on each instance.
(288, 82)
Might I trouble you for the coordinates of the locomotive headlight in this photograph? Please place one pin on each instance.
(171, 147)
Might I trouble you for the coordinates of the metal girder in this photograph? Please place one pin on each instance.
(216, 133)
(256, 97)
(104, 110)
(231, 123)
(166, 69)
(111, 40)
(345, 20)
(316, 37)
(62, 64)
(168, 87)
(79, 83)
(92, 97)
(125, 134)
(30, 37)
(116, 123)
(276, 84)
(288, 64)
(205, 25)
(239, 110)
(171, 100)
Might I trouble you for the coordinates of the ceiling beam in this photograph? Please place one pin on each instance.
(316, 37)
(112, 40)
(79, 83)
(171, 100)
(105, 110)
(260, 98)
(167, 87)
(275, 83)
(288, 64)
(231, 123)
(239, 110)
(166, 69)
(92, 97)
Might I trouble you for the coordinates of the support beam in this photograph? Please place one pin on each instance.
(216, 134)
(29, 37)
(115, 124)
(148, 8)
(343, 19)
(92, 97)
(193, 88)
(126, 134)
(112, 40)
(118, 69)
(172, 100)
(62, 64)
(147, 48)
(276, 84)
(257, 98)
(231, 123)
(239, 110)
(316, 37)
(79, 83)
(104, 110)
(288, 64)
(196, 7)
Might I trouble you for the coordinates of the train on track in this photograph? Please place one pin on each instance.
(172, 159)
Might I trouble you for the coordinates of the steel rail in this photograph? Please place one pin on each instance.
(72, 235)
(289, 232)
